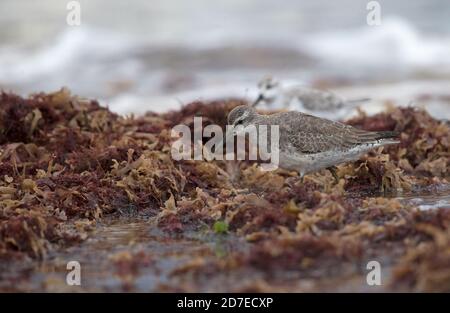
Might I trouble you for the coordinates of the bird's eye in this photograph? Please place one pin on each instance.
(272, 84)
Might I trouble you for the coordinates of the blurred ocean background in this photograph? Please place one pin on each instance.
(155, 55)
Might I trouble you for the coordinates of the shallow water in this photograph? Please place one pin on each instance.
(121, 254)
(427, 200)
(98, 271)
(131, 254)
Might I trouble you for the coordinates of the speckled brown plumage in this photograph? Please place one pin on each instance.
(308, 143)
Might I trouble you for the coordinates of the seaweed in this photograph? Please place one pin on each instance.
(66, 163)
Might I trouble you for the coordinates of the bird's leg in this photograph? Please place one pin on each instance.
(332, 170)
(302, 175)
(258, 100)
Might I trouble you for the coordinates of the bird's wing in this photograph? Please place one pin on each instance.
(310, 134)
(315, 99)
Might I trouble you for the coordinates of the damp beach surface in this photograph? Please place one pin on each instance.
(80, 183)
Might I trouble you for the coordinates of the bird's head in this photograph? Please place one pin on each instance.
(241, 115)
(239, 118)
(268, 89)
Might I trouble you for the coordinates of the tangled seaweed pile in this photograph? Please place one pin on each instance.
(67, 162)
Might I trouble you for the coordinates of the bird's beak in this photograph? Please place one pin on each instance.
(229, 135)
(258, 100)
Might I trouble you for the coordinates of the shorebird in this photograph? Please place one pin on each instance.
(303, 98)
(308, 143)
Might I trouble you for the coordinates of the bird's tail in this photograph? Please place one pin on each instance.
(358, 100)
(378, 137)
(387, 137)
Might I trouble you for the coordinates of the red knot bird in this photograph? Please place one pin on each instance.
(308, 143)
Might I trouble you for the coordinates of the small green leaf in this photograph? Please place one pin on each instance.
(220, 227)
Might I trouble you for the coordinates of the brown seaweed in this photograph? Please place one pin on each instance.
(67, 162)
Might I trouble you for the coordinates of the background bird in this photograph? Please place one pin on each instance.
(297, 97)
